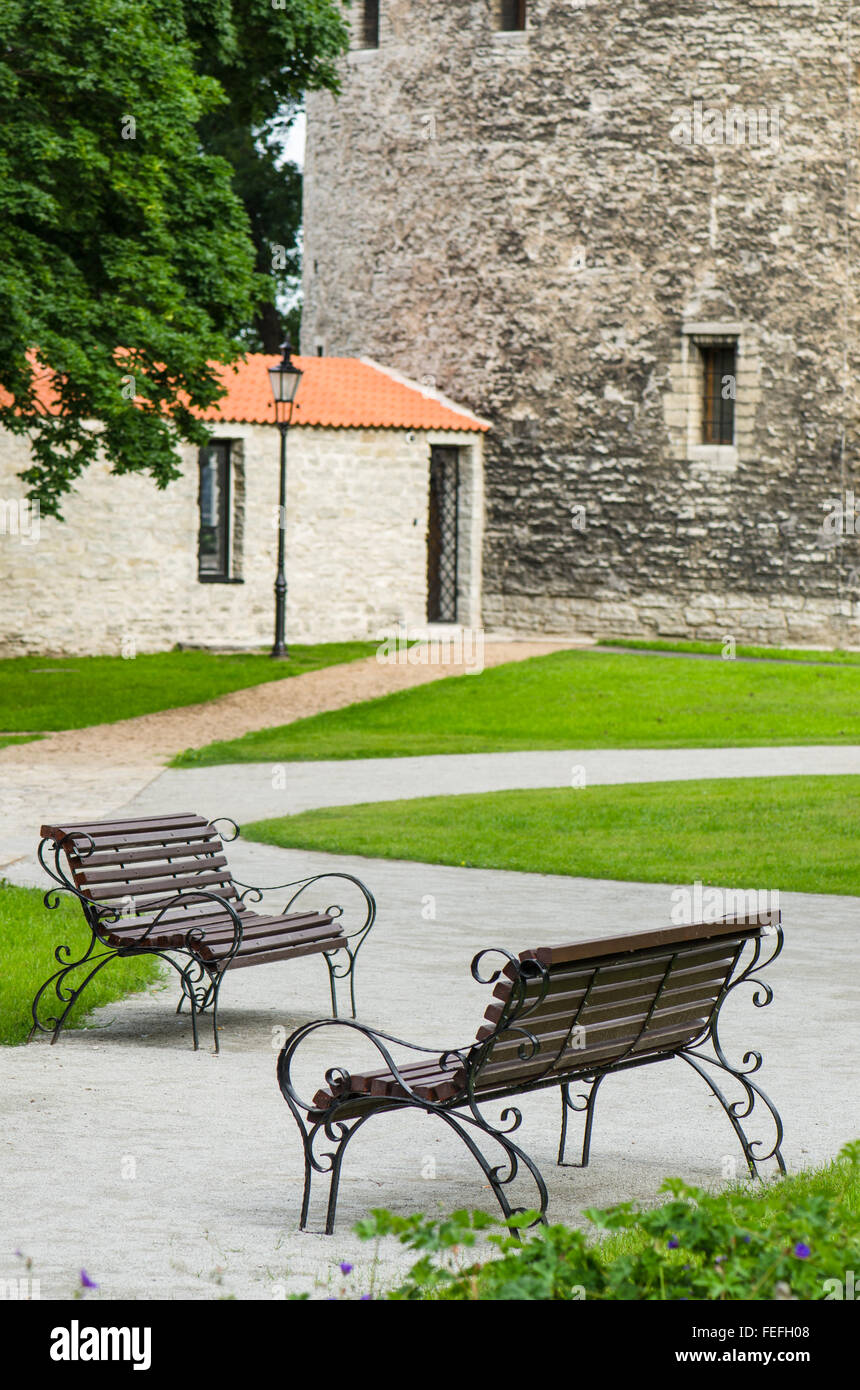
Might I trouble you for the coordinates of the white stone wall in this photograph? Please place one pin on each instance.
(123, 565)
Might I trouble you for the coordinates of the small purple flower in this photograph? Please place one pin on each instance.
(86, 1281)
(345, 1268)
(802, 1251)
(365, 1298)
(747, 1240)
(672, 1244)
(719, 1259)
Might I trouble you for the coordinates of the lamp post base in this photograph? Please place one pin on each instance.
(279, 652)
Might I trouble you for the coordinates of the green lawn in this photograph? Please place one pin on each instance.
(574, 699)
(835, 656)
(29, 934)
(44, 693)
(795, 834)
(27, 738)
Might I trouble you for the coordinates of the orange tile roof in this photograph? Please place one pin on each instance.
(339, 392)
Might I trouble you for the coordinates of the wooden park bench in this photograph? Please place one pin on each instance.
(563, 1017)
(161, 885)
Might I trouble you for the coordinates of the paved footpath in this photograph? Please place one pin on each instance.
(170, 1174)
(255, 791)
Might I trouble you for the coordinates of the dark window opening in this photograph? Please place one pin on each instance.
(513, 15)
(213, 546)
(719, 393)
(370, 24)
(443, 522)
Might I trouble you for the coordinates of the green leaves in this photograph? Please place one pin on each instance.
(794, 1237)
(127, 259)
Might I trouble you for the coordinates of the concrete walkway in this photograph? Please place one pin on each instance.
(256, 791)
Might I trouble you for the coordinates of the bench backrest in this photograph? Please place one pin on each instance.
(602, 1003)
(136, 866)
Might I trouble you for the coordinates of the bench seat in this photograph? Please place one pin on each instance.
(162, 885)
(565, 1017)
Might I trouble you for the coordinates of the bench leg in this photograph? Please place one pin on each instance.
(214, 991)
(200, 996)
(335, 973)
(499, 1176)
(588, 1106)
(742, 1109)
(67, 997)
(329, 1162)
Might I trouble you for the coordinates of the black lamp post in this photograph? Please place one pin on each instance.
(285, 378)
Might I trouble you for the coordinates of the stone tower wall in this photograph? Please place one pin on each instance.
(547, 224)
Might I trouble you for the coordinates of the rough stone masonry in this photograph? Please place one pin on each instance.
(553, 226)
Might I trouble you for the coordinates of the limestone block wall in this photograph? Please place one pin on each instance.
(121, 570)
(540, 221)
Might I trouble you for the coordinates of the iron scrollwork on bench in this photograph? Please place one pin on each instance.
(566, 1017)
(448, 1088)
(161, 886)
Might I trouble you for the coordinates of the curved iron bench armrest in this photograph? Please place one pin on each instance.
(301, 884)
(341, 1074)
(59, 875)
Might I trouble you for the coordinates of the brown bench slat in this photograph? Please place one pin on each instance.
(560, 1020)
(219, 931)
(287, 953)
(427, 1081)
(270, 939)
(138, 840)
(606, 990)
(135, 825)
(90, 876)
(596, 1031)
(640, 941)
(118, 858)
(254, 927)
(627, 968)
(609, 1043)
(165, 887)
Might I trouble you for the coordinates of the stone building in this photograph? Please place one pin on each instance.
(372, 537)
(624, 231)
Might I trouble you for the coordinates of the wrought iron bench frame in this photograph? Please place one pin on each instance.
(462, 1112)
(200, 977)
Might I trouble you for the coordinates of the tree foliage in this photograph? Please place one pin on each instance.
(243, 44)
(128, 263)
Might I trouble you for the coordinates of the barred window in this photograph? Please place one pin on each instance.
(719, 390)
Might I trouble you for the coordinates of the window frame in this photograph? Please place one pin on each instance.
(222, 573)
